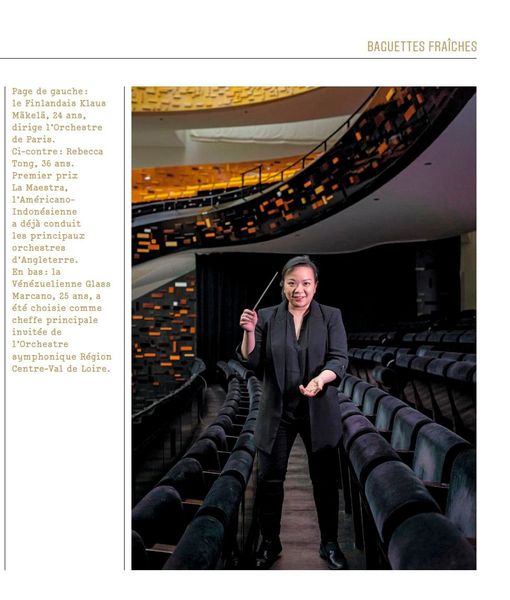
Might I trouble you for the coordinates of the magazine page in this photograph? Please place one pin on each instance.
(241, 276)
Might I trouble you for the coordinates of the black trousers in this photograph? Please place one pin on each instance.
(323, 467)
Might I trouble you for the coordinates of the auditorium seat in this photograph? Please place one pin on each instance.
(231, 403)
(223, 500)
(245, 442)
(420, 387)
(403, 352)
(159, 516)
(453, 355)
(436, 449)
(434, 379)
(368, 451)
(436, 336)
(409, 338)
(239, 466)
(468, 337)
(353, 427)
(453, 337)
(405, 430)
(205, 451)
(347, 409)
(386, 411)
(429, 541)
(371, 401)
(187, 477)
(249, 425)
(462, 396)
(217, 435)
(348, 384)
(394, 493)
(200, 547)
(427, 352)
(359, 391)
(230, 413)
(461, 500)
(385, 378)
(225, 422)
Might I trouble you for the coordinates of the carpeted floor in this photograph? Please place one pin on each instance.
(300, 535)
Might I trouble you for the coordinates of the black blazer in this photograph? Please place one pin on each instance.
(327, 349)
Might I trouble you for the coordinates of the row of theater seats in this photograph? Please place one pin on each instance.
(189, 519)
(409, 483)
(162, 431)
(440, 384)
(455, 339)
(209, 198)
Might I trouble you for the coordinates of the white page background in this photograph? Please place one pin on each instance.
(67, 461)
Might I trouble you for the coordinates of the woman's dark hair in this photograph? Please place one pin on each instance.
(299, 261)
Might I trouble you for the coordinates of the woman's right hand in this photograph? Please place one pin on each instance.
(248, 320)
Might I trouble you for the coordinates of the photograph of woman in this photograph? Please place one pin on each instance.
(293, 427)
(300, 349)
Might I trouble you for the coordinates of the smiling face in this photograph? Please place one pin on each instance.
(299, 287)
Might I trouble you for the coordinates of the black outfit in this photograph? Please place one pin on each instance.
(284, 363)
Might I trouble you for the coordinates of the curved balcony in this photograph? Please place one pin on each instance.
(395, 126)
(179, 99)
(160, 189)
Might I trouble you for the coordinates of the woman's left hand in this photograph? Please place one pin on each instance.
(313, 388)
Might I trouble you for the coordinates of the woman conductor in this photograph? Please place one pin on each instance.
(299, 348)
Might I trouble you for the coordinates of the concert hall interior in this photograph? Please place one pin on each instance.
(377, 186)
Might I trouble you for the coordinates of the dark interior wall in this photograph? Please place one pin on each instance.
(374, 288)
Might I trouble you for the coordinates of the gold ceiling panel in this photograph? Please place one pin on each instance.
(179, 99)
(167, 183)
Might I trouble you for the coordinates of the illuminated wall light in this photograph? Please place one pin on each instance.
(409, 113)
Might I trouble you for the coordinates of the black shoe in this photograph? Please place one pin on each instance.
(268, 552)
(330, 552)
